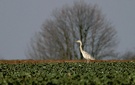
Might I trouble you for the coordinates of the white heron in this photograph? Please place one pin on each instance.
(85, 54)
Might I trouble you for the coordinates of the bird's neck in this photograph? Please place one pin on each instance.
(81, 47)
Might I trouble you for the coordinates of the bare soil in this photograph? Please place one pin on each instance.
(58, 61)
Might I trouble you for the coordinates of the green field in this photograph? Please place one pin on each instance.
(94, 73)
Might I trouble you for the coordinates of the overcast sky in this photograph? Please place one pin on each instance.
(20, 19)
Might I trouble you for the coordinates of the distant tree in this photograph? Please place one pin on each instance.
(82, 21)
(129, 55)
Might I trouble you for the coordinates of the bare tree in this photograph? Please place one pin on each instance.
(83, 21)
(129, 55)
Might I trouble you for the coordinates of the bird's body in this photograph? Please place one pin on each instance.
(85, 54)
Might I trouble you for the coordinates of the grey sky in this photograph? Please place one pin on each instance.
(20, 19)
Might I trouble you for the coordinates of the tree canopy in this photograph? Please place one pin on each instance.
(81, 21)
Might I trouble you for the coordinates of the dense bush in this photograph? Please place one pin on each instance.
(94, 73)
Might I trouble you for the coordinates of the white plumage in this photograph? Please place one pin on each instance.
(85, 54)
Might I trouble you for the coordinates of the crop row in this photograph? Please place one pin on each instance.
(94, 73)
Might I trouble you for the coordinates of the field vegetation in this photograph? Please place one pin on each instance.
(67, 72)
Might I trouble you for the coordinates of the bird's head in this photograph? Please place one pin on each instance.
(78, 41)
